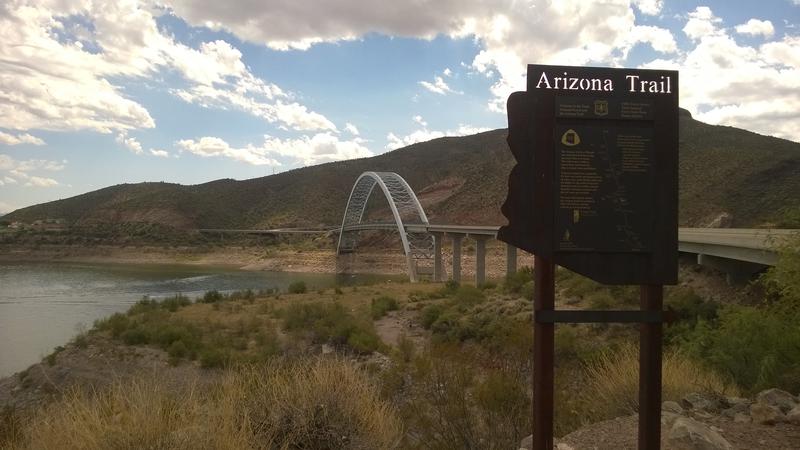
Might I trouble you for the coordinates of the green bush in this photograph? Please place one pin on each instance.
(297, 287)
(175, 302)
(330, 323)
(430, 314)
(515, 281)
(214, 357)
(212, 296)
(381, 305)
(469, 296)
(756, 347)
(135, 336)
(783, 280)
(177, 349)
(117, 323)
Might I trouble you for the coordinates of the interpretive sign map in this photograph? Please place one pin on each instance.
(603, 175)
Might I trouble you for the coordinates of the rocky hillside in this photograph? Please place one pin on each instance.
(750, 177)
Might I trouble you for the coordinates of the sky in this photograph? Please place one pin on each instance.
(95, 93)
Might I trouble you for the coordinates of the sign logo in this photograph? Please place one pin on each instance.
(601, 107)
(570, 138)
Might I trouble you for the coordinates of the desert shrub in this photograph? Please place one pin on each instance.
(450, 403)
(12, 428)
(314, 404)
(136, 414)
(469, 296)
(612, 381)
(758, 348)
(783, 280)
(689, 308)
(212, 296)
(514, 282)
(487, 285)
(135, 336)
(117, 323)
(175, 302)
(297, 287)
(430, 314)
(142, 306)
(213, 357)
(331, 323)
(381, 305)
(178, 350)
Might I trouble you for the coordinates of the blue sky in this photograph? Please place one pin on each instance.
(97, 93)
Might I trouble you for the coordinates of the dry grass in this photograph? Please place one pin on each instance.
(323, 403)
(613, 381)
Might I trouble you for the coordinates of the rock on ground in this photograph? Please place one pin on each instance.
(777, 398)
(689, 434)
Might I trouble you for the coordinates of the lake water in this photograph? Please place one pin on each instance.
(43, 305)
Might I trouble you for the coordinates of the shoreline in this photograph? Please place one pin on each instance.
(251, 258)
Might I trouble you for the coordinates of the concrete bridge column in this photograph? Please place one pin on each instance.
(511, 260)
(438, 267)
(457, 238)
(480, 258)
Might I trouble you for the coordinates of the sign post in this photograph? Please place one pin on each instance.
(595, 190)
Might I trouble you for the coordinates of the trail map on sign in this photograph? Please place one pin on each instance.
(604, 157)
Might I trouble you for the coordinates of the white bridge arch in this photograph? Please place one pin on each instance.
(406, 210)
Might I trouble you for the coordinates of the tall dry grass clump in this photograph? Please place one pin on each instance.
(314, 404)
(612, 387)
(324, 403)
(135, 414)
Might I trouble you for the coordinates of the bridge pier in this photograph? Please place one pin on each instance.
(438, 268)
(511, 260)
(457, 238)
(480, 258)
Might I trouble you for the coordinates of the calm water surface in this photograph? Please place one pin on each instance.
(43, 305)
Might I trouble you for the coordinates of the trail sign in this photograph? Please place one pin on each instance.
(596, 182)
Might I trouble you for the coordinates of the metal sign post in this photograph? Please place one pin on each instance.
(595, 190)
(543, 353)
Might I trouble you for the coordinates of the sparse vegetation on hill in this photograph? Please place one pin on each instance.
(458, 180)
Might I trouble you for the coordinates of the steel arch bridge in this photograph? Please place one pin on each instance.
(406, 210)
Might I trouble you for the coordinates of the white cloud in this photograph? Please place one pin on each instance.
(130, 143)
(510, 33)
(160, 153)
(422, 135)
(752, 87)
(702, 22)
(41, 182)
(755, 27)
(15, 171)
(660, 39)
(439, 86)
(322, 147)
(214, 146)
(350, 128)
(418, 119)
(63, 60)
(447, 72)
(24, 138)
(650, 7)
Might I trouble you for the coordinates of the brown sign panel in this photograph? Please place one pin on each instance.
(597, 155)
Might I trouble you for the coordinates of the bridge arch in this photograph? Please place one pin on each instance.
(406, 211)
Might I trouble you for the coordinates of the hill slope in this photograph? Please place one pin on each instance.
(458, 179)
